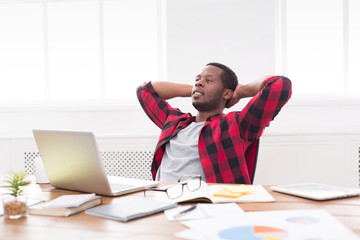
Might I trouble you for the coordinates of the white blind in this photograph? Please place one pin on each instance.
(77, 50)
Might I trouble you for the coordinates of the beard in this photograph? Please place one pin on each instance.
(207, 106)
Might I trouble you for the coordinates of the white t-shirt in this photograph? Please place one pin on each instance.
(181, 157)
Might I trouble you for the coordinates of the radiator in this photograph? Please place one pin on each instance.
(130, 164)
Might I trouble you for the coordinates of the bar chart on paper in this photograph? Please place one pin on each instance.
(253, 233)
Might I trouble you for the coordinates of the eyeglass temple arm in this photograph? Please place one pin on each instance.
(155, 189)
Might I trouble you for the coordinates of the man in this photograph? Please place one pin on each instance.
(211, 144)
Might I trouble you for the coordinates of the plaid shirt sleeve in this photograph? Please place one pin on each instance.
(156, 108)
(163, 115)
(264, 107)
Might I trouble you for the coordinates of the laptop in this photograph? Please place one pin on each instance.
(317, 191)
(72, 161)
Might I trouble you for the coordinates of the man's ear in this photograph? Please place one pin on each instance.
(228, 93)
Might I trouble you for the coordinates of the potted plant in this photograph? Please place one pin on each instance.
(14, 204)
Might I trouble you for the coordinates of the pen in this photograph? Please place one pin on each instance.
(184, 212)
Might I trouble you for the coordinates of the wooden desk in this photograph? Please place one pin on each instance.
(82, 226)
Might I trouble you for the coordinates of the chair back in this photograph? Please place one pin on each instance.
(251, 159)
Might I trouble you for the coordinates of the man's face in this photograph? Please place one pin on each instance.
(208, 89)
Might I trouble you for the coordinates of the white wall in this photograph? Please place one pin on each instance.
(311, 139)
(237, 33)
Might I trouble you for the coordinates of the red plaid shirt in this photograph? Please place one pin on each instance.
(224, 138)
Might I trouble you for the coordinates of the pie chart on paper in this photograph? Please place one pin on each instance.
(253, 233)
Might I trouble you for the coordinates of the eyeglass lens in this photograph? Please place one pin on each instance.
(175, 191)
(193, 184)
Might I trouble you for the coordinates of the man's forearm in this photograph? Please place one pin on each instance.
(252, 88)
(247, 90)
(168, 90)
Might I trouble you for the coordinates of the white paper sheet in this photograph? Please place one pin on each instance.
(204, 210)
(287, 224)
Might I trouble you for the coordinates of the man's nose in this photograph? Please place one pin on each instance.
(199, 83)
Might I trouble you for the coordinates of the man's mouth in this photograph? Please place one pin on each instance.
(197, 93)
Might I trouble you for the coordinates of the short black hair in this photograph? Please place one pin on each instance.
(228, 76)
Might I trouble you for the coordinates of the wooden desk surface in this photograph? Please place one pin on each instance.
(82, 226)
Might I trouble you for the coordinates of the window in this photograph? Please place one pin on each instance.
(22, 61)
(136, 58)
(78, 50)
(321, 45)
(73, 50)
(354, 46)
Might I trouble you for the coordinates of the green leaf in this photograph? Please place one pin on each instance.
(16, 181)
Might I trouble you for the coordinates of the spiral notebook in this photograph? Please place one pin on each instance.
(128, 208)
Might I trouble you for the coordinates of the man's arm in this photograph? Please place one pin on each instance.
(263, 107)
(152, 97)
(247, 90)
(168, 90)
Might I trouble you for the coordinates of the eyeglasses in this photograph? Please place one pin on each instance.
(192, 183)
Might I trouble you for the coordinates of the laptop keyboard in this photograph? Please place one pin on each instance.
(118, 186)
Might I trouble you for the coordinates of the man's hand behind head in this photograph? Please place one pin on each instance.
(247, 90)
(235, 97)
